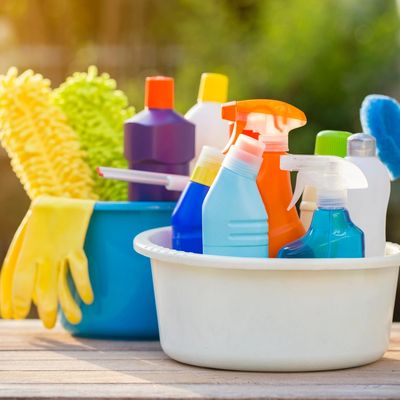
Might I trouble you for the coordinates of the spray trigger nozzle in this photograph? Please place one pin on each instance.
(330, 175)
(270, 121)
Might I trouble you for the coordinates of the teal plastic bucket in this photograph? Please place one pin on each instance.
(124, 305)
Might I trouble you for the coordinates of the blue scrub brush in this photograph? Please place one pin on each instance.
(380, 117)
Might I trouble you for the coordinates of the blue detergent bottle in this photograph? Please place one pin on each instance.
(235, 222)
(332, 234)
(186, 218)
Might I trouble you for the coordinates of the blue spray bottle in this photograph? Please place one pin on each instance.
(332, 234)
(234, 216)
(186, 218)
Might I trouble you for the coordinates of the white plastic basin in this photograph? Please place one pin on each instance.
(271, 314)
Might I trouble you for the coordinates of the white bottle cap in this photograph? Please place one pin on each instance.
(361, 145)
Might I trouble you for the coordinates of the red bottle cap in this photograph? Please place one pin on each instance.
(159, 92)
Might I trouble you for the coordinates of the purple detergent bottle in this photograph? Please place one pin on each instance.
(158, 139)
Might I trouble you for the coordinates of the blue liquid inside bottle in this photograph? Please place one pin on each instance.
(187, 219)
(332, 234)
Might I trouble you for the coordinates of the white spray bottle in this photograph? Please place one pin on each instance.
(368, 208)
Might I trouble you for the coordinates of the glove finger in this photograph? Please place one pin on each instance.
(22, 288)
(70, 309)
(46, 292)
(78, 265)
(7, 271)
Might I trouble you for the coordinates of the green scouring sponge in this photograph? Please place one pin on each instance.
(97, 111)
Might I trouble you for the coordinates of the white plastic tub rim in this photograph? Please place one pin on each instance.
(155, 243)
(256, 314)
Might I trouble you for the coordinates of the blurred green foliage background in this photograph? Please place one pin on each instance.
(324, 56)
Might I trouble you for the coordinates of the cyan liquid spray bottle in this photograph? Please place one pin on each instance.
(327, 143)
(186, 218)
(332, 234)
(234, 216)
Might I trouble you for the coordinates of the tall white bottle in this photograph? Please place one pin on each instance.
(368, 207)
(211, 129)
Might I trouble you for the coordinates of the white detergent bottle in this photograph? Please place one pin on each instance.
(367, 207)
(211, 129)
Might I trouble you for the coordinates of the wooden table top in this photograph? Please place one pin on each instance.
(36, 364)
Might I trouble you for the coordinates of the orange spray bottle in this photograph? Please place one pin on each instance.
(271, 121)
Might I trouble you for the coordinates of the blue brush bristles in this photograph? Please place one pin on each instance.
(380, 117)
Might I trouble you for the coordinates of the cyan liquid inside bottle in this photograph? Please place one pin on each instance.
(332, 234)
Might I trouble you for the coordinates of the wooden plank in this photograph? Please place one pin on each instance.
(47, 355)
(192, 375)
(63, 341)
(390, 364)
(177, 391)
(92, 364)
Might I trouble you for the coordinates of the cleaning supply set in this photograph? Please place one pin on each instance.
(235, 214)
(284, 304)
(55, 140)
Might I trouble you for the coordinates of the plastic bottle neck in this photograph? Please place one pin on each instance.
(331, 199)
(157, 109)
(240, 167)
(275, 143)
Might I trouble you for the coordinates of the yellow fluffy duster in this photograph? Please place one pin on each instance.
(44, 150)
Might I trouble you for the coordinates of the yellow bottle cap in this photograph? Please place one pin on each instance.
(213, 87)
(207, 166)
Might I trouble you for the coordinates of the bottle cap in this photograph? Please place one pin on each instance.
(159, 92)
(361, 145)
(213, 87)
(245, 155)
(331, 143)
(207, 166)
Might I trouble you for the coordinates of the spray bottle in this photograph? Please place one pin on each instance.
(327, 143)
(368, 208)
(159, 140)
(234, 216)
(211, 129)
(186, 218)
(272, 120)
(332, 234)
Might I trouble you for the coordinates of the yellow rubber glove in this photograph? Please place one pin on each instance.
(48, 244)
